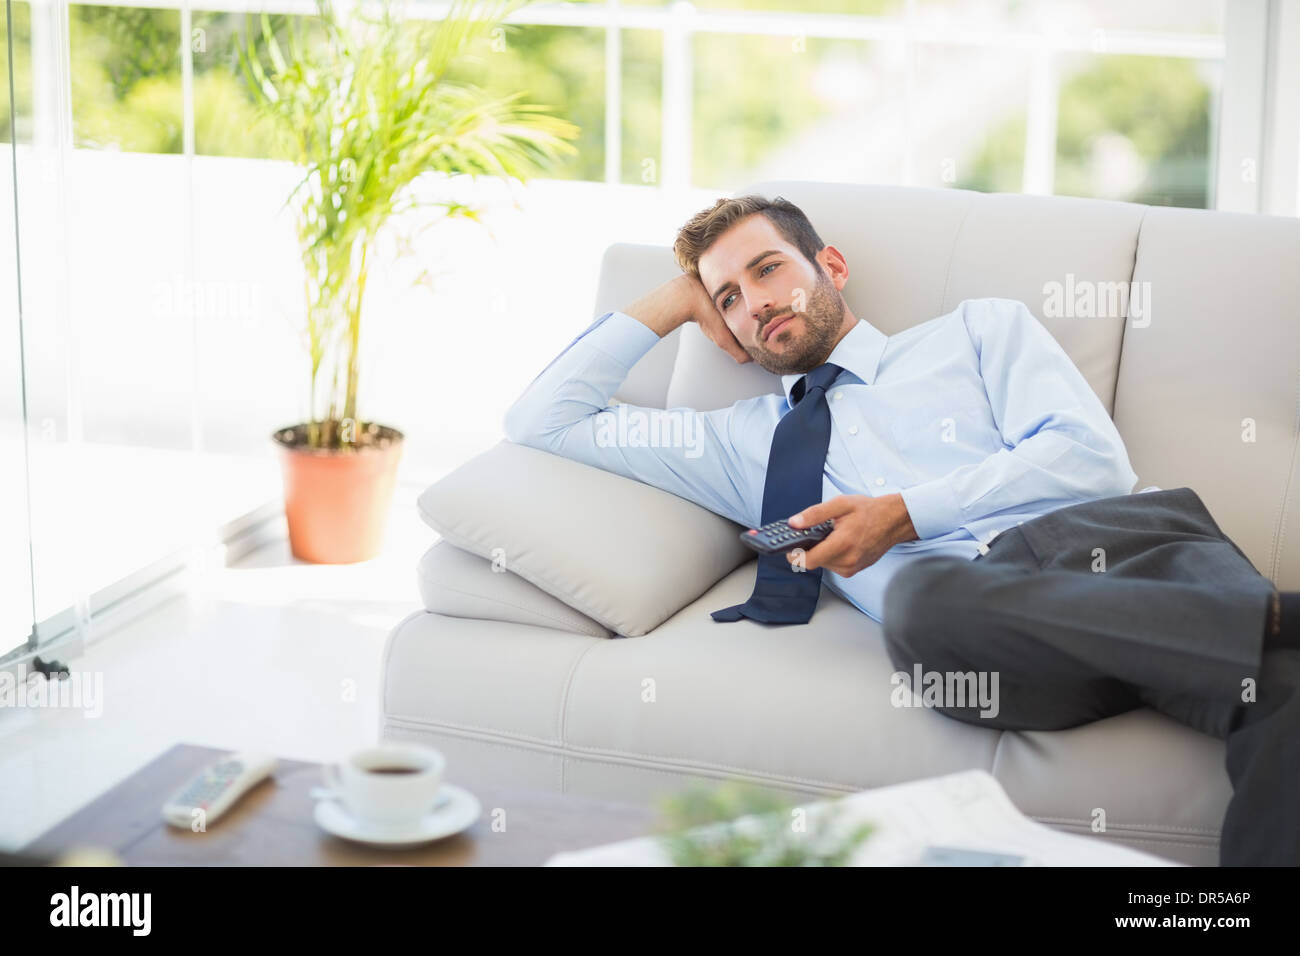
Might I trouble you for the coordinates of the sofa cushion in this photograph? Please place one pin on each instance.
(1044, 251)
(456, 583)
(897, 243)
(621, 552)
(706, 379)
(915, 254)
(1209, 390)
(627, 271)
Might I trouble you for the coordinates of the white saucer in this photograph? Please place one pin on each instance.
(454, 816)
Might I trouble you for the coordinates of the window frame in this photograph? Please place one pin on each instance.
(1257, 116)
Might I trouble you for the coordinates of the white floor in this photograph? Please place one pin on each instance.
(273, 654)
(88, 534)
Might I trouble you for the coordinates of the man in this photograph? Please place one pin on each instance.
(980, 498)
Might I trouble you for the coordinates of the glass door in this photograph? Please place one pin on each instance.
(43, 605)
(17, 603)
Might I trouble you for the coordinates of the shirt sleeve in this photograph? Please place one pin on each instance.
(1061, 446)
(695, 455)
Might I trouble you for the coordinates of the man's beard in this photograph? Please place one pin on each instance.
(821, 324)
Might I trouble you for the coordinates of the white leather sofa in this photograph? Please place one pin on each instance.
(565, 640)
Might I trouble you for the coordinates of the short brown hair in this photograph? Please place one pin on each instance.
(703, 229)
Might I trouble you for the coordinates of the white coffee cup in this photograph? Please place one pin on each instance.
(392, 784)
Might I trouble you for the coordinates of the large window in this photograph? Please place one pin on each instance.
(159, 339)
(1092, 99)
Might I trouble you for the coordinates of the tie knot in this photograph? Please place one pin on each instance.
(820, 377)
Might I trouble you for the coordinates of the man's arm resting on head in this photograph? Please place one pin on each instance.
(566, 411)
(1063, 447)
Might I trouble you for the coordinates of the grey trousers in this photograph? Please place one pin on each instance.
(1099, 608)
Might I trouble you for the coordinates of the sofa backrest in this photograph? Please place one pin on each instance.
(1186, 323)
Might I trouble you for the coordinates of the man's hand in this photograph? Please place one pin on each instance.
(706, 315)
(684, 299)
(865, 528)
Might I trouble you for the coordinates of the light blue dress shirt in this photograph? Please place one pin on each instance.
(977, 418)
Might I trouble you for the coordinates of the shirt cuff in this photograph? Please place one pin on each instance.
(623, 338)
(933, 508)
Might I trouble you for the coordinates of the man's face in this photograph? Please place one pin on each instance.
(756, 294)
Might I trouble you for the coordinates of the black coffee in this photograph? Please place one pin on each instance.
(392, 769)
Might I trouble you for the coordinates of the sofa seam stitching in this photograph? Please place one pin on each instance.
(677, 771)
(1123, 329)
(564, 707)
(1280, 525)
(597, 753)
(1146, 826)
(387, 656)
(1154, 838)
(1157, 841)
(952, 252)
(835, 788)
(997, 753)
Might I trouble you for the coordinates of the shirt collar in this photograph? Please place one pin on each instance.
(858, 352)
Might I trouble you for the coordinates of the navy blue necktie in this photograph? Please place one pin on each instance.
(795, 466)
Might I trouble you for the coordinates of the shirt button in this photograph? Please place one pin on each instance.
(880, 481)
(853, 429)
(839, 395)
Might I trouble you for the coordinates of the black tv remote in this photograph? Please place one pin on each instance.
(777, 536)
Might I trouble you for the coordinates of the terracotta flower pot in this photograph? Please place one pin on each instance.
(336, 501)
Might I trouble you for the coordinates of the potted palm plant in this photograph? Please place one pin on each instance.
(363, 103)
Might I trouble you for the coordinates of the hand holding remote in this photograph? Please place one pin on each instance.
(777, 536)
(866, 527)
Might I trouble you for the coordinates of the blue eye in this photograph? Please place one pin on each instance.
(726, 303)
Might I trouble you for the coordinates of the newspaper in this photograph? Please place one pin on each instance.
(963, 818)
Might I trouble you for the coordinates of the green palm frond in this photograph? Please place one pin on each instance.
(367, 107)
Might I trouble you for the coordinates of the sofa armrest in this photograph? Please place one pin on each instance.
(624, 553)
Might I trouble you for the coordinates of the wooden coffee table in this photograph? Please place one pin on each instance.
(272, 825)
